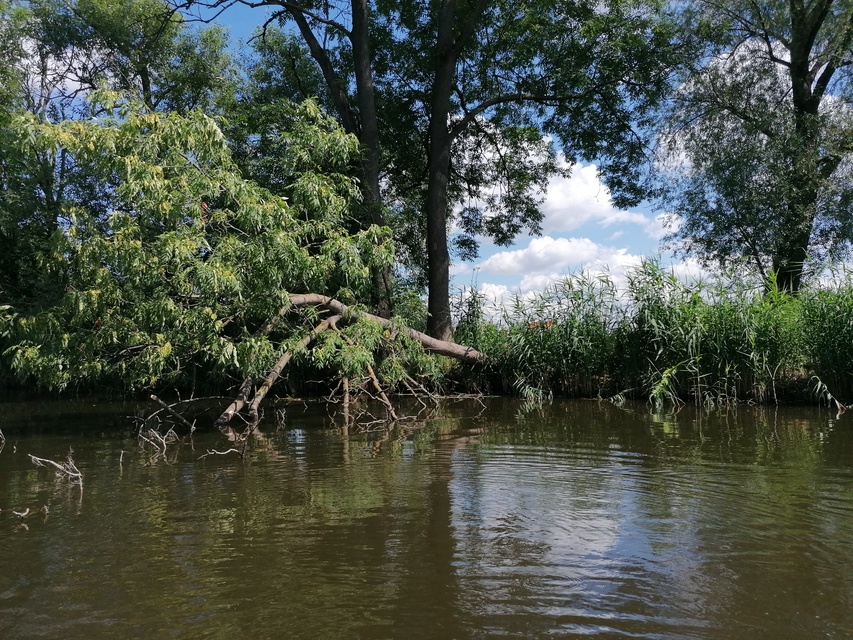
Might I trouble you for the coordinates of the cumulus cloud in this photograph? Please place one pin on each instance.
(581, 199)
(549, 257)
(542, 255)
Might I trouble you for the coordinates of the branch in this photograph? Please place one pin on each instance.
(333, 82)
(433, 345)
(384, 398)
(275, 372)
(236, 405)
(222, 5)
(67, 468)
(293, 6)
(539, 98)
(177, 416)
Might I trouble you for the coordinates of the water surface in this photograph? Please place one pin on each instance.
(582, 520)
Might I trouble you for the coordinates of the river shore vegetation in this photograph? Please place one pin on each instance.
(178, 216)
(659, 338)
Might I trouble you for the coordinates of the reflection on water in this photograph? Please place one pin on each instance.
(582, 520)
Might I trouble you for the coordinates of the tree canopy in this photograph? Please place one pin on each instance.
(760, 137)
(186, 260)
(459, 107)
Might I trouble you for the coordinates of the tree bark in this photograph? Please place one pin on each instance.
(448, 48)
(439, 322)
(363, 124)
(808, 87)
(275, 372)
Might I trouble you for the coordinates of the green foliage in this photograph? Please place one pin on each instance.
(827, 327)
(58, 52)
(532, 78)
(189, 259)
(758, 138)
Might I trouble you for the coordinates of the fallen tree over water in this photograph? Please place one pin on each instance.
(187, 276)
(342, 313)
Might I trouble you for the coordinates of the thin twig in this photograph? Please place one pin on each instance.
(214, 452)
(177, 416)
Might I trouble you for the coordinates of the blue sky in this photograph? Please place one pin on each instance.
(582, 229)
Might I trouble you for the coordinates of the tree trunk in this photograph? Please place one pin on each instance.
(369, 138)
(439, 323)
(431, 344)
(808, 88)
(363, 124)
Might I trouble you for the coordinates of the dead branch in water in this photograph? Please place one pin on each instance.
(214, 452)
(171, 411)
(67, 469)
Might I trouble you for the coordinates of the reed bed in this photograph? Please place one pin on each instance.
(735, 339)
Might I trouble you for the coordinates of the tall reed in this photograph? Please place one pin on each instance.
(714, 343)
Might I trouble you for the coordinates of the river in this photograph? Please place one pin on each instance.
(582, 519)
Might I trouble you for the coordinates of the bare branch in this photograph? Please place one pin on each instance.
(177, 416)
(538, 98)
(214, 452)
(433, 345)
(65, 469)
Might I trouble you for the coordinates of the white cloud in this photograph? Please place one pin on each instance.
(582, 199)
(460, 268)
(537, 281)
(547, 257)
(617, 264)
(543, 255)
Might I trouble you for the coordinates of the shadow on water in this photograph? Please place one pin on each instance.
(582, 519)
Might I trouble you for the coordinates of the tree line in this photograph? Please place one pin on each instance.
(163, 195)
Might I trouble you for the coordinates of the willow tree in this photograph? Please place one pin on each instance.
(761, 135)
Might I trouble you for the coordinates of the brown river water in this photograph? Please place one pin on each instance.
(583, 519)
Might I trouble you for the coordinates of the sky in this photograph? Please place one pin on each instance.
(582, 230)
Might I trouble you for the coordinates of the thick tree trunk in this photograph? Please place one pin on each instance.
(369, 137)
(789, 261)
(439, 323)
(363, 123)
(809, 168)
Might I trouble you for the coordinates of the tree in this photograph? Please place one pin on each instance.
(500, 77)
(192, 262)
(59, 52)
(195, 273)
(452, 101)
(760, 137)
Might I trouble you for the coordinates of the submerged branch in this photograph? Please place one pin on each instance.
(65, 469)
(177, 416)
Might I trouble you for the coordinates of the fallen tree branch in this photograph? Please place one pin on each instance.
(384, 398)
(214, 452)
(433, 345)
(65, 469)
(177, 416)
(236, 405)
(275, 372)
